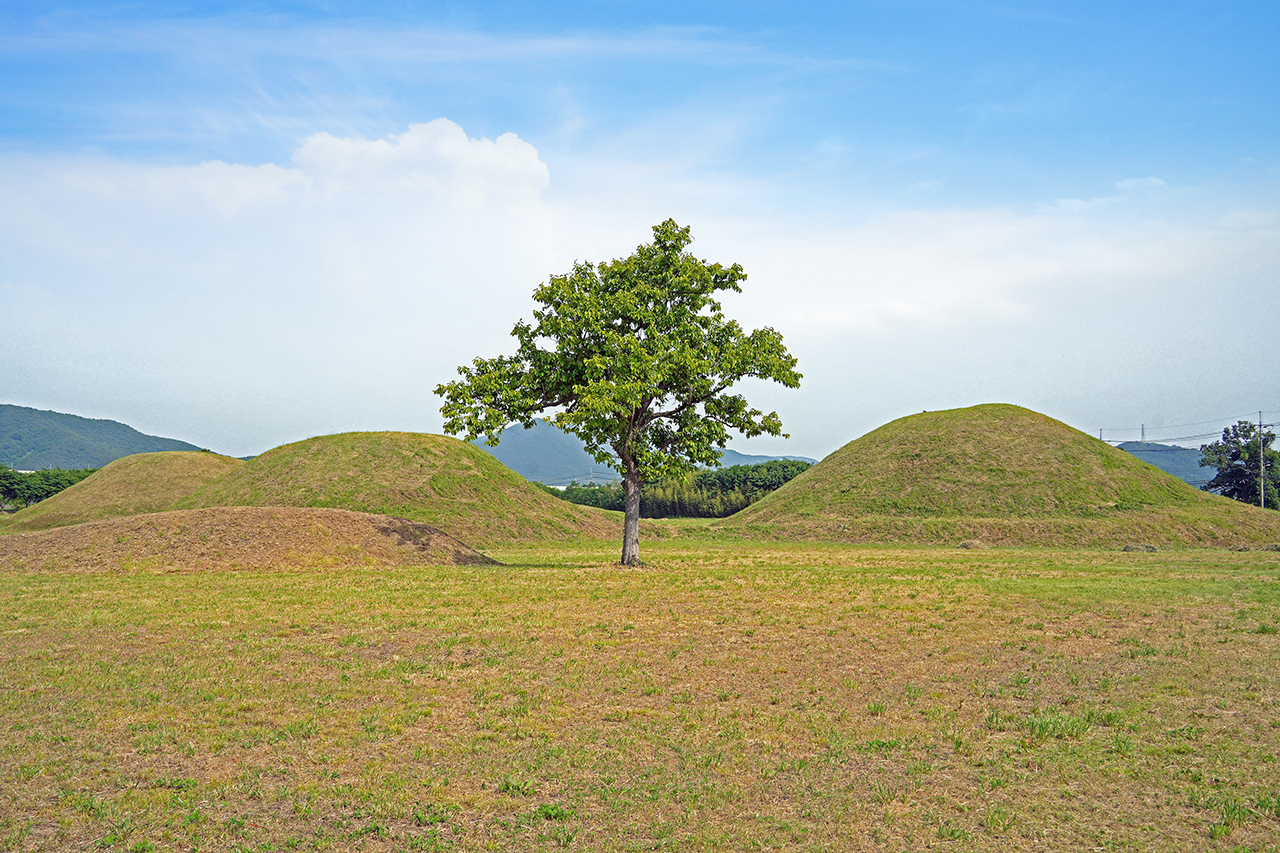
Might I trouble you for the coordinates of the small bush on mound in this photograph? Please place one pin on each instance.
(971, 543)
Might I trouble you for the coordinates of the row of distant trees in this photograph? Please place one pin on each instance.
(24, 488)
(711, 493)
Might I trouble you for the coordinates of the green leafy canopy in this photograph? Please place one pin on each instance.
(1236, 458)
(636, 357)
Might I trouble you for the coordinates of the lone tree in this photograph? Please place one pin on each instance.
(637, 359)
(1236, 456)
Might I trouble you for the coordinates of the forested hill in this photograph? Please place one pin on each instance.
(31, 439)
(1181, 462)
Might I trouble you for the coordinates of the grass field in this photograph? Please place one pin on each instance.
(728, 696)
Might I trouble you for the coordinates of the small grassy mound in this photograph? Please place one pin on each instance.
(999, 474)
(428, 478)
(236, 537)
(144, 482)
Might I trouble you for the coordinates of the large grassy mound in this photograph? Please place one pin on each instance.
(428, 478)
(236, 537)
(144, 482)
(1003, 475)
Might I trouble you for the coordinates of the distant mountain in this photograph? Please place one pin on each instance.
(732, 457)
(31, 439)
(550, 455)
(1181, 462)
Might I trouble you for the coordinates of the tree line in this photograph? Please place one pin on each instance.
(22, 489)
(1248, 468)
(710, 493)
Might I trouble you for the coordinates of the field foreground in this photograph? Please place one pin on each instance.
(725, 697)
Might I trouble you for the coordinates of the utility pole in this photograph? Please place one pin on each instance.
(1262, 468)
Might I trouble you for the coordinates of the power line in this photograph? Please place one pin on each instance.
(1248, 417)
(1142, 429)
(1245, 417)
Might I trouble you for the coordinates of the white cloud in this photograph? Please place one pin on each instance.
(1147, 183)
(345, 284)
(993, 269)
(1131, 190)
(241, 306)
(436, 158)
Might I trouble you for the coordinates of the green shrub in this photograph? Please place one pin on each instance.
(711, 493)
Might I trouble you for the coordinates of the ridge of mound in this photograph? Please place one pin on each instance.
(144, 482)
(236, 537)
(1002, 474)
(428, 478)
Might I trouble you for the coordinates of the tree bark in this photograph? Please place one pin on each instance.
(631, 520)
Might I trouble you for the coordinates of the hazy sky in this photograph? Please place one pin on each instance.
(247, 224)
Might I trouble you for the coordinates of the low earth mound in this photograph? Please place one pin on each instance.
(998, 474)
(429, 478)
(236, 537)
(144, 482)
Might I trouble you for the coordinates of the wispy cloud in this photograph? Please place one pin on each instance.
(956, 201)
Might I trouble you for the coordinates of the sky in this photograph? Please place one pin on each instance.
(244, 224)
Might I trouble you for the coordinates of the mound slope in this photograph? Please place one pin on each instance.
(1002, 474)
(144, 482)
(236, 537)
(428, 478)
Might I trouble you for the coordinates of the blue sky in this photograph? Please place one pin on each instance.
(256, 222)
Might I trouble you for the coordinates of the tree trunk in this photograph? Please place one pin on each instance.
(631, 521)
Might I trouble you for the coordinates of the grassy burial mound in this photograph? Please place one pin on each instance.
(428, 478)
(999, 474)
(236, 537)
(144, 482)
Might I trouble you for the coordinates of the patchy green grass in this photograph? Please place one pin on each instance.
(724, 697)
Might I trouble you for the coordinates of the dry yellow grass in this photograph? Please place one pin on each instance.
(234, 537)
(725, 697)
